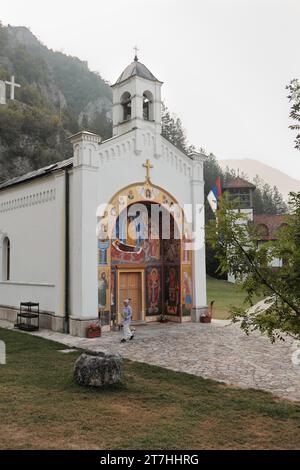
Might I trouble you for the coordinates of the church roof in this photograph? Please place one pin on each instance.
(37, 173)
(269, 225)
(136, 69)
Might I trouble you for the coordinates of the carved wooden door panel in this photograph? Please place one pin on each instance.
(131, 288)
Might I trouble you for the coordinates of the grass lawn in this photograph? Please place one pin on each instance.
(42, 408)
(225, 295)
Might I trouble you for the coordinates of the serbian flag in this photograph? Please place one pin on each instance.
(214, 195)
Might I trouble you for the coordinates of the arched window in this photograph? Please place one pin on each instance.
(263, 230)
(6, 259)
(126, 105)
(148, 106)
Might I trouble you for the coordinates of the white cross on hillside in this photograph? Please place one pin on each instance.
(2, 92)
(13, 85)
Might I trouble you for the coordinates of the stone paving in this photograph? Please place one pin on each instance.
(220, 351)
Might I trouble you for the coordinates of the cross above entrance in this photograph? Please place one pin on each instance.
(13, 85)
(148, 166)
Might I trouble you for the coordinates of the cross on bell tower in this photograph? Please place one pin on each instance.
(136, 50)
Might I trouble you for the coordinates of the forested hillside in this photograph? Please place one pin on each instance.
(59, 95)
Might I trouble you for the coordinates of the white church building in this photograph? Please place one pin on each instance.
(72, 235)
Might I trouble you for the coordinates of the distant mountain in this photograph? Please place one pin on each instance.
(270, 175)
(59, 95)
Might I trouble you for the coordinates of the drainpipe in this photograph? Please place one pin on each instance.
(67, 252)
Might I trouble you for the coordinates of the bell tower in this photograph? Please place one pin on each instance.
(136, 100)
(241, 191)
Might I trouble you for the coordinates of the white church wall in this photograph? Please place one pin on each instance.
(12, 293)
(121, 164)
(83, 239)
(83, 244)
(199, 264)
(28, 216)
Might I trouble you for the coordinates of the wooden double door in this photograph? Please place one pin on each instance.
(130, 287)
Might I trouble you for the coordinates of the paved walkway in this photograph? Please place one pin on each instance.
(219, 351)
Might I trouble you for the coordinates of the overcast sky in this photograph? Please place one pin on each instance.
(224, 63)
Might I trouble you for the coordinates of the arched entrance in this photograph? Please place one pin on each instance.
(142, 256)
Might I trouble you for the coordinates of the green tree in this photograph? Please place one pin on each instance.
(267, 199)
(172, 130)
(294, 97)
(211, 171)
(84, 123)
(235, 243)
(30, 137)
(101, 125)
(30, 95)
(281, 206)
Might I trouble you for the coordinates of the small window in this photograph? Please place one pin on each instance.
(242, 196)
(147, 106)
(6, 259)
(126, 105)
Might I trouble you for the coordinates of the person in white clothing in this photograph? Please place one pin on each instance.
(127, 315)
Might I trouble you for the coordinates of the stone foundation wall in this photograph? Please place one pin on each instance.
(8, 314)
(78, 327)
(47, 319)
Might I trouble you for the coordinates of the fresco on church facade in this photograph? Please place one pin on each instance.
(171, 251)
(103, 249)
(186, 277)
(167, 263)
(151, 249)
(113, 291)
(132, 229)
(136, 193)
(153, 291)
(103, 229)
(151, 246)
(187, 290)
(148, 252)
(172, 290)
(148, 192)
(135, 242)
(103, 289)
(119, 256)
(186, 257)
(130, 195)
